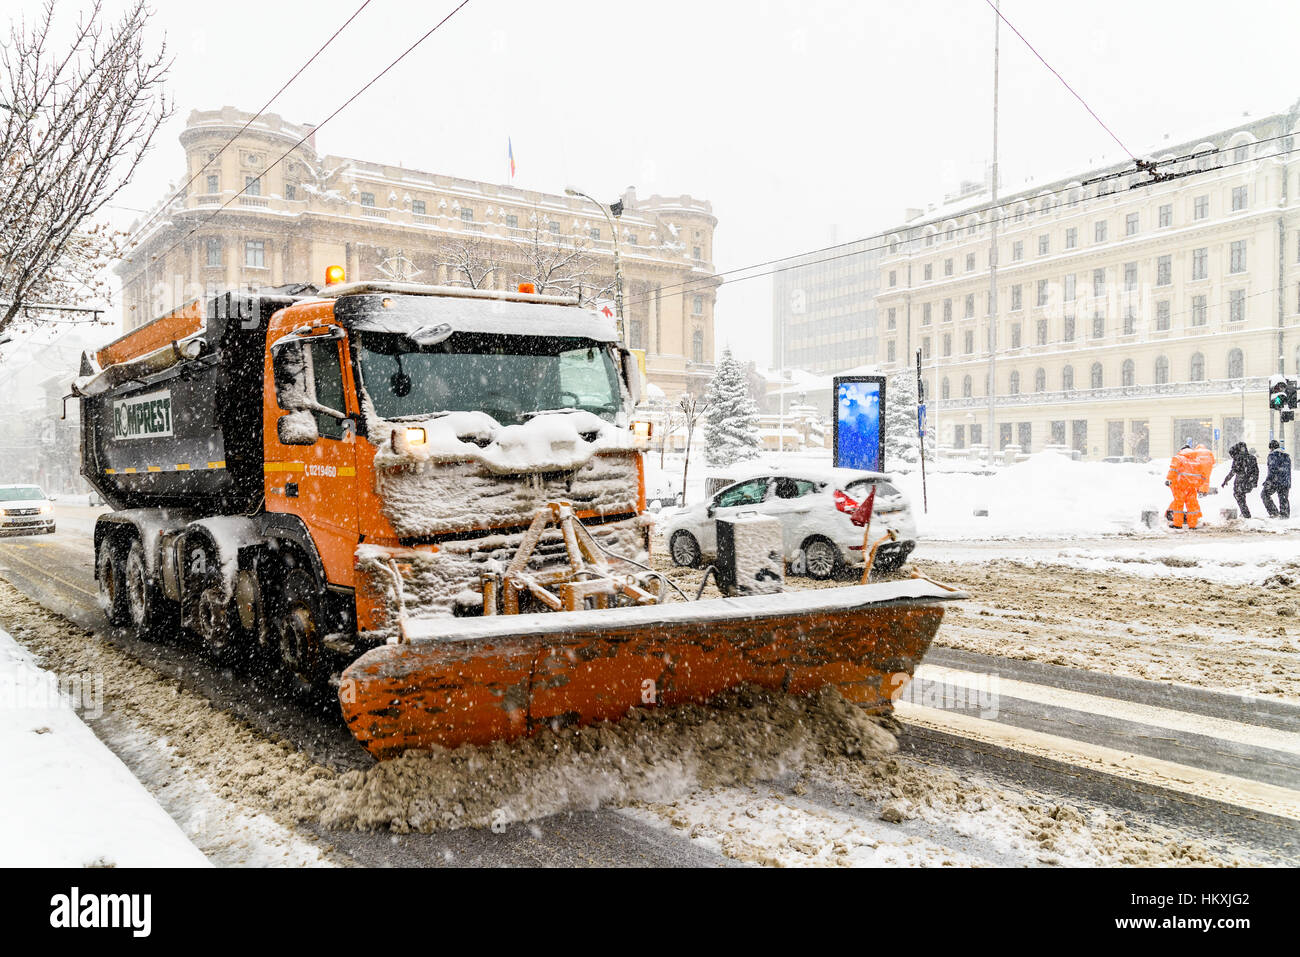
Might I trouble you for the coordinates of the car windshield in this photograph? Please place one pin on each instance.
(511, 378)
(20, 493)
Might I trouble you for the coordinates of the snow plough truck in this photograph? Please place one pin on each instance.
(433, 498)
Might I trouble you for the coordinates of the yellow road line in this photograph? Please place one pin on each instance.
(1211, 785)
(47, 574)
(1189, 722)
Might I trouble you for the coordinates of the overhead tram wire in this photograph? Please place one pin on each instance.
(1074, 93)
(695, 283)
(252, 119)
(281, 158)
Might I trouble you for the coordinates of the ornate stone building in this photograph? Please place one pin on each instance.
(389, 222)
(1127, 319)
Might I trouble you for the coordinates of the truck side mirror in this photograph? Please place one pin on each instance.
(297, 428)
(631, 375)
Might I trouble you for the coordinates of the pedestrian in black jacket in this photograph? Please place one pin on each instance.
(1245, 472)
(1277, 481)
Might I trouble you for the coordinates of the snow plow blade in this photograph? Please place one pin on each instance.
(477, 680)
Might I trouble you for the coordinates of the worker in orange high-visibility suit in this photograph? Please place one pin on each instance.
(1184, 479)
(1205, 465)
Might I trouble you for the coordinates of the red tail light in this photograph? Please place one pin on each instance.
(845, 504)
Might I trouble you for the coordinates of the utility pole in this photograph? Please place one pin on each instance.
(611, 213)
(991, 386)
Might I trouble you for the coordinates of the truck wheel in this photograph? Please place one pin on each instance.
(112, 588)
(147, 610)
(684, 549)
(207, 611)
(821, 558)
(296, 623)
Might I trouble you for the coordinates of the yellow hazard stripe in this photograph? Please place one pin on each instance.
(217, 465)
(129, 471)
(182, 466)
(347, 471)
(110, 471)
(283, 467)
(153, 468)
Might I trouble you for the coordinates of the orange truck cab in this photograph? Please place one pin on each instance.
(303, 469)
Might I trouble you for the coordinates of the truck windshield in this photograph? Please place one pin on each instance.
(508, 377)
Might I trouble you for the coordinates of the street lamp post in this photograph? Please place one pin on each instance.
(611, 212)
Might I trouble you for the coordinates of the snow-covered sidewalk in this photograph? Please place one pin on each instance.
(65, 798)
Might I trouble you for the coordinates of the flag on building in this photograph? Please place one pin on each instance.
(510, 149)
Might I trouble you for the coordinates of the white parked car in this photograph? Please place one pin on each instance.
(24, 510)
(816, 511)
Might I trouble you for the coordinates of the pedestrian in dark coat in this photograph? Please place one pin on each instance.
(1245, 475)
(1277, 481)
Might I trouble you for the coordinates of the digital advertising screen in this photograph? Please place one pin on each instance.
(860, 422)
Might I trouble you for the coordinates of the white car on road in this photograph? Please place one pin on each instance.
(816, 511)
(24, 510)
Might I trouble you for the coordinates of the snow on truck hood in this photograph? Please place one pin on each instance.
(480, 315)
(548, 442)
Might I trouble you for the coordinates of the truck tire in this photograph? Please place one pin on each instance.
(112, 587)
(148, 613)
(296, 620)
(206, 603)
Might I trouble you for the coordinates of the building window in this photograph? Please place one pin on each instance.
(1015, 335)
(1042, 292)
(1196, 370)
(891, 351)
(1071, 237)
(1162, 315)
(1099, 232)
(1044, 244)
(1095, 375)
(252, 186)
(1098, 325)
(1162, 370)
(554, 227)
(1013, 384)
(1017, 251)
(945, 390)
(891, 321)
(1130, 321)
(947, 310)
(970, 262)
(1098, 283)
(255, 254)
(893, 277)
(213, 247)
(1128, 374)
(1131, 224)
(631, 237)
(1238, 198)
(1069, 288)
(1237, 305)
(1040, 380)
(927, 311)
(1200, 263)
(1200, 313)
(947, 267)
(970, 305)
(1166, 215)
(1164, 270)
(1201, 207)
(214, 184)
(1067, 379)
(290, 191)
(959, 436)
(1237, 256)
(1041, 332)
(467, 216)
(969, 342)
(1067, 331)
(697, 346)
(1016, 299)
(697, 305)
(1236, 364)
(418, 207)
(697, 252)
(947, 346)
(1130, 276)
(929, 271)
(925, 348)
(367, 199)
(966, 387)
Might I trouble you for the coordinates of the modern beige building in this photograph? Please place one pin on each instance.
(1129, 316)
(387, 222)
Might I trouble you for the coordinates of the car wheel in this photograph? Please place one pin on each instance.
(821, 558)
(685, 550)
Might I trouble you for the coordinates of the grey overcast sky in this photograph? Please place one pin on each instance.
(804, 123)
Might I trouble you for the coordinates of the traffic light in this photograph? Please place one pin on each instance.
(1277, 393)
(1289, 414)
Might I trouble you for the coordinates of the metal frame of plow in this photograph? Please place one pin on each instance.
(587, 574)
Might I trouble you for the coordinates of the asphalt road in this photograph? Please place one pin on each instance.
(1214, 764)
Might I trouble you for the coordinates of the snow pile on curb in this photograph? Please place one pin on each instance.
(65, 799)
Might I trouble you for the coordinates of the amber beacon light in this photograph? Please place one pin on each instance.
(333, 275)
(527, 287)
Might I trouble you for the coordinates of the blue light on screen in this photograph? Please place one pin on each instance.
(857, 444)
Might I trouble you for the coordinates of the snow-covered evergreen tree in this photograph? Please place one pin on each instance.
(902, 444)
(731, 423)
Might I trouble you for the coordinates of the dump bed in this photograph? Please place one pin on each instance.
(171, 413)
